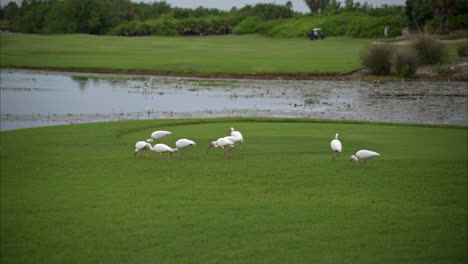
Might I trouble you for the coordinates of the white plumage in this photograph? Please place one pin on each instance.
(140, 146)
(234, 139)
(157, 135)
(363, 155)
(161, 149)
(336, 146)
(235, 133)
(238, 135)
(181, 144)
(222, 143)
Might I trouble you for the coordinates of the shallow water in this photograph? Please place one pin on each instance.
(38, 98)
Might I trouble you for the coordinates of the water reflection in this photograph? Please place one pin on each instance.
(73, 97)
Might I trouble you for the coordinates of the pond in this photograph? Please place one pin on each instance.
(38, 98)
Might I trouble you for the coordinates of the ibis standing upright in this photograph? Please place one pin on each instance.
(362, 156)
(336, 147)
(237, 134)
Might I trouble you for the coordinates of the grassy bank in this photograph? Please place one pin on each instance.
(247, 54)
(76, 194)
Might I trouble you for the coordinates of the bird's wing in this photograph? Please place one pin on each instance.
(364, 154)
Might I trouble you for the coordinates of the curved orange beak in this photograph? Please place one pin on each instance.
(349, 161)
(209, 147)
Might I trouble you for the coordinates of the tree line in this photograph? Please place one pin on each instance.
(126, 18)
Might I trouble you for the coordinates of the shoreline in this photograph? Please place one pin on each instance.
(423, 74)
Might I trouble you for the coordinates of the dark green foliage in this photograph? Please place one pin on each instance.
(417, 13)
(265, 11)
(406, 62)
(462, 50)
(459, 22)
(436, 15)
(430, 50)
(373, 27)
(378, 59)
(126, 18)
(345, 24)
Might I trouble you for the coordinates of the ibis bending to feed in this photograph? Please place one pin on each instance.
(157, 135)
(363, 155)
(140, 146)
(181, 144)
(161, 149)
(222, 143)
(336, 147)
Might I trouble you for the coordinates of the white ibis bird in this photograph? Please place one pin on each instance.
(234, 139)
(237, 134)
(181, 144)
(234, 133)
(363, 155)
(157, 135)
(140, 146)
(336, 147)
(222, 143)
(161, 149)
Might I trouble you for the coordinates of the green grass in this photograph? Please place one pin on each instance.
(76, 194)
(246, 54)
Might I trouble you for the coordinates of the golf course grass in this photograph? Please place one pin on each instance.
(76, 194)
(244, 54)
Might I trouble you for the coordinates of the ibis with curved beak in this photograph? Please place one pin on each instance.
(362, 156)
(223, 143)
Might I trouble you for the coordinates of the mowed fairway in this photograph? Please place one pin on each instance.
(245, 54)
(76, 194)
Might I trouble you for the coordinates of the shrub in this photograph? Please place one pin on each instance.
(406, 62)
(350, 24)
(133, 28)
(441, 68)
(377, 58)
(248, 25)
(459, 22)
(462, 50)
(430, 50)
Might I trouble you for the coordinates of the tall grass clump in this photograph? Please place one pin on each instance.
(406, 62)
(462, 50)
(430, 50)
(377, 58)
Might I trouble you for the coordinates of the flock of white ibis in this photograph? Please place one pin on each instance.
(228, 143)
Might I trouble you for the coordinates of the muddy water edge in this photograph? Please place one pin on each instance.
(32, 98)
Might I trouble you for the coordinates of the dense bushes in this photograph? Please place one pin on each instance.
(424, 50)
(436, 16)
(168, 26)
(127, 18)
(430, 50)
(345, 24)
(462, 50)
(406, 62)
(378, 59)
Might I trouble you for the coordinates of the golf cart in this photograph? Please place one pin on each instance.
(316, 33)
